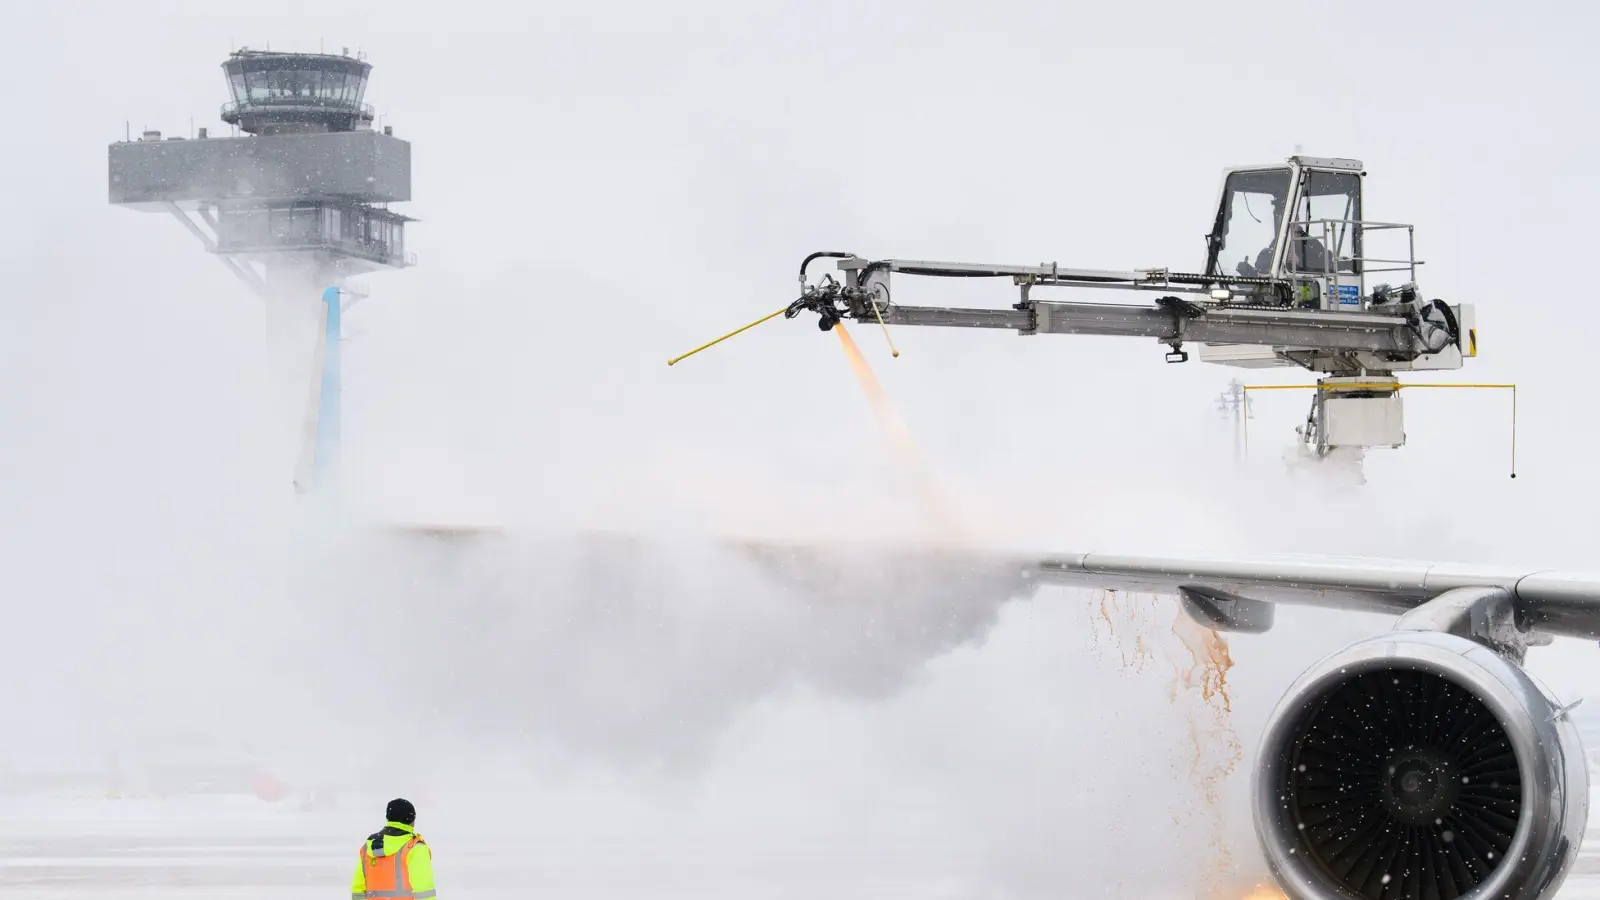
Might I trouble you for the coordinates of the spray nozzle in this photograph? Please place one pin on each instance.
(831, 301)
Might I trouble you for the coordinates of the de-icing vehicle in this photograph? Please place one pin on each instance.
(1289, 280)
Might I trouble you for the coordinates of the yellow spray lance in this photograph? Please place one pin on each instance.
(677, 359)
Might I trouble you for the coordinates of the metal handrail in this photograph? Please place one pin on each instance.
(234, 107)
(1404, 265)
(1364, 223)
(376, 253)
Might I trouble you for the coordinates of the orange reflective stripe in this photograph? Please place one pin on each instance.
(402, 872)
(386, 874)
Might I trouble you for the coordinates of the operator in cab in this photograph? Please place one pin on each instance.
(1306, 253)
(394, 863)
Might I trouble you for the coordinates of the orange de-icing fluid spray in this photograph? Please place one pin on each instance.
(1198, 657)
(925, 481)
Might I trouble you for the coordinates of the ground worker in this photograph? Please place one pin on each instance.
(394, 863)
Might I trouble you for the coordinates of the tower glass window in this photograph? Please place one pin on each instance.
(286, 93)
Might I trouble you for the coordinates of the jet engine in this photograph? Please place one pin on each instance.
(1423, 765)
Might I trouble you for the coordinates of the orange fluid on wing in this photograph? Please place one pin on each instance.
(1129, 632)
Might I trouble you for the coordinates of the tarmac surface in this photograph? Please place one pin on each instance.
(241, 849)
(229, 849)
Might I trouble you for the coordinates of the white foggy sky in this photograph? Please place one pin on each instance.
(604, 185)
(607, 185)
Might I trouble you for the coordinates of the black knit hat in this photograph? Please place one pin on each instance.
(400, 810)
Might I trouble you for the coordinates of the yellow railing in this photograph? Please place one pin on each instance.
(1387, 386)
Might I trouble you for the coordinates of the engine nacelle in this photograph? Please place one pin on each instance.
(1420, 765)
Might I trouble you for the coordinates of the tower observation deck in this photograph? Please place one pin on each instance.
(296, 93)
(306, 187)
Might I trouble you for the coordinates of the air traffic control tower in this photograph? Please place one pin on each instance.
(303, 192)
(294, 202)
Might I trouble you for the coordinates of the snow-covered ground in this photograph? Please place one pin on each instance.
(241, 848)
(235, 847)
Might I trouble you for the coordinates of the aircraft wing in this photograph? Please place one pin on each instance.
(1238, 593)
(1229, 593)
